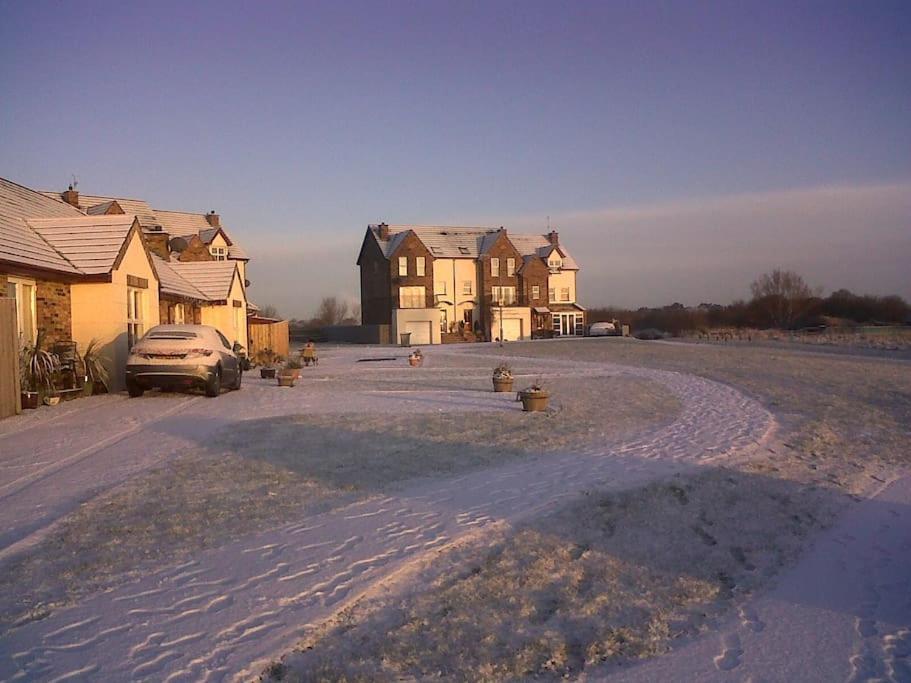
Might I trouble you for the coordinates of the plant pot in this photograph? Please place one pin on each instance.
(501, 385)
(286, 380)
(51, 400)
(267, 373)
(534, 401)
(415, 362)
(29, 400)
(296, 372)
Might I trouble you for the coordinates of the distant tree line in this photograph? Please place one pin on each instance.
(331, 311)
(780, 299)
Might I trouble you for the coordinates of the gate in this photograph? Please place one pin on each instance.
(9, 359)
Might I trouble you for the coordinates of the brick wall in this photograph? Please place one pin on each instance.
(196, 251)
(158, 244)
(534, 274)
(376, 295)
(54, 310)
(192, 313)
(502, 249)
(411, 247)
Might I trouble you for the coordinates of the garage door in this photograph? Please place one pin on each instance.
(420, 331)
(512, 329)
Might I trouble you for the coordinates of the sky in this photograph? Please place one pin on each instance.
(680, 148)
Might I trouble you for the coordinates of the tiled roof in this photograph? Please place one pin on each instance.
(184, 224)
(18, 242)
(90, 243)
(212, 278)
(172, 282)
(466, 242)
(137, 207)
(237, 252)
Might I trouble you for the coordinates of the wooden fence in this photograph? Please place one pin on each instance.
(9, 359)
(268, 334)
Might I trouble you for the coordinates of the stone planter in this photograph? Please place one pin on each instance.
(51, 400)
(30, 400)
(534, 401)
(502, 384)
(286, 380)
(267, 373)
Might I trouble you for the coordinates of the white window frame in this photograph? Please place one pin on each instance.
(403, 266)
(420, 266)
(219, 253)
(535, 291)
(494, 267)
(552, 295)
(240, 319)
(412, 297)
(564, 294)
(439, 287)
(510, 267)
(179, 314)
(467, 288)
(31, 306)
(554, 262)
(135, 315)
(503, 295)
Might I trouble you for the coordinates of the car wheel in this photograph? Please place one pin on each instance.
(240, 376)
(213, 386)
(134, 390)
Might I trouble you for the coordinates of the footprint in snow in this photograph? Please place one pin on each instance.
(730, 657)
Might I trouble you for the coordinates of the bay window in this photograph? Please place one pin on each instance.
(411, 297)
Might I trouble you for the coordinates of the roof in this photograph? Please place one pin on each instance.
(466, 242)
(90, 243)
(18, 242)
(140, 208)
(212, 278)
(173, 283)
(185, 224)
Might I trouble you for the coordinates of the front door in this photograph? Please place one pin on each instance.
(567, 324)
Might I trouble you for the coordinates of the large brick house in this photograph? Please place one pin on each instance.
(108, 268)
(454, 283)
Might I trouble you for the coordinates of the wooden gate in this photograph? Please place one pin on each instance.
(9, 359)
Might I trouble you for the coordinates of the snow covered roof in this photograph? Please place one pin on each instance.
(90, 243)
(96, 204)
(212, 278)
(19, 243)
(172, 282)
(466, 242)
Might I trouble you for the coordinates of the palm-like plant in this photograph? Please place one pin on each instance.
(95, 369)
(37, 366)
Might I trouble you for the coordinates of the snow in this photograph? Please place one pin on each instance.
(229, 610)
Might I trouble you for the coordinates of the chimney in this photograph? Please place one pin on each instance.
(382, 231)
(213, 219)
(554, 238)
(71, 196)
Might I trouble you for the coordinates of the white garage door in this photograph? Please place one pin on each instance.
(512, 329)
(420, 331)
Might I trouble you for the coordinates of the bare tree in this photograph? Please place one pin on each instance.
(783, 295)
(331, 311)
(269, 311)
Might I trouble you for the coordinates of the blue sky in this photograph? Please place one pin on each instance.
(680, 148)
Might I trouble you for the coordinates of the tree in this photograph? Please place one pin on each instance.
(331, 311)
(269, 311)
(783, 295)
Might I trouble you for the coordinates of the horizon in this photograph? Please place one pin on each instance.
(680, 152)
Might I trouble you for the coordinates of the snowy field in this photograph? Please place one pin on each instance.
(412, 524)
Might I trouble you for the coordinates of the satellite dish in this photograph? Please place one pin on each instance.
(178, 244)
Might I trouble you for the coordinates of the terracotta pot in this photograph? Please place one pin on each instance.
(29, 399)
(534, 401)
(502, 385)
(296, 372)
(267, 373)
(415, 362)
(51, 400)
(286, 380)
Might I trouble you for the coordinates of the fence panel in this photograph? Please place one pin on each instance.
(9, 359)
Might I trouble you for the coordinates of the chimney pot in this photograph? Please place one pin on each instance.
(554, 238)
(71, 197)
(213, 219)
(383, 231)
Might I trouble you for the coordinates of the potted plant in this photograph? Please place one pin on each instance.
(95, 372)
(416, 358)
(534, 398)
(265, 358)
(286, 377)
(502, 378)
(293, 366)
(36, 369)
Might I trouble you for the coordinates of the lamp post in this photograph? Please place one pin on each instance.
(500, 301)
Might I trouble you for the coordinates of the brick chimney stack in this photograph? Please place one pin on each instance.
(382, 231)
(71, 196)
(554, 238)
(213, 219)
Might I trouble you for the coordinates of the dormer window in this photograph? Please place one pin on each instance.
(554, 262)
(219, 253)
(463, 250)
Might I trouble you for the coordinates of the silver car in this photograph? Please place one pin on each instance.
(183, 356)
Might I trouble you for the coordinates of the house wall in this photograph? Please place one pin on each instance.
(100, 309)
(510, 313)
(406, 315)
(534, 274)
(54, 310)
(455, 272)
(158, 244)
(226, 319)
(565, 278)
(376, 285)
(166, 311)
(411, 247)
(196, 250)
(502, 249)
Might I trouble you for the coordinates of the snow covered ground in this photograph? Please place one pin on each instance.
(302, 542)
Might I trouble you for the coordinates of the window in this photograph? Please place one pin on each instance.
(503, 295)
(464, 250)
(510, 267)
(220, 253)
(411, 297)
(223, 339)
(178, 315)
(134, 315)
(419, 265)
(564, 294)
(439, 287)
(435, 250)
(466, 287)
(535, 292)
(495, 267)
(240, 320)
(552, 295)
(403, 266)
(554, 262)
(23, 291)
